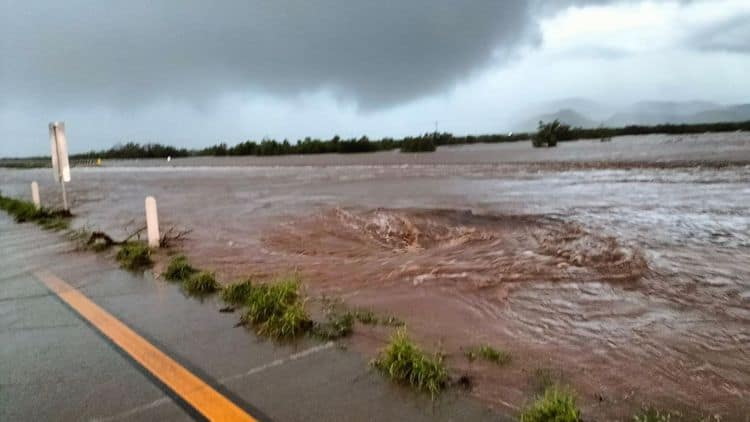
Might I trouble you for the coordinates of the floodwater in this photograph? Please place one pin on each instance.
(620, 268)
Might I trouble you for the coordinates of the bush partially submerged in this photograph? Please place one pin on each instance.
(405, 363)
(237, 293)
(489, 353)
(276, 310)
(556, 405)
(201, 283)
(548, 134)
(134, 256)
(179, 269)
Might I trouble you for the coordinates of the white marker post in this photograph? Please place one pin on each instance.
(152, 222)
(60, 165)
(35, 195)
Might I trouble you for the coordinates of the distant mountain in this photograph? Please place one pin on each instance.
(583, 113)
(568, 116)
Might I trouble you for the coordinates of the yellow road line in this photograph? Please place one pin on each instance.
(187, 386)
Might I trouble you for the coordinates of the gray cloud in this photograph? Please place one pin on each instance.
(732, 34)
(127, 53)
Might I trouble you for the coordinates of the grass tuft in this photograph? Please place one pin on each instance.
(179, 269)
(339, 325)
(405, 363)
(237, 293)
(392, 321)
(652, 414)
(201, 283)
(487, 352)
(134, 256)
(556, 405)
(276, 310)
(366, 317)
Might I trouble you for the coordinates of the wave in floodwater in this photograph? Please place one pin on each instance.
(460, 248)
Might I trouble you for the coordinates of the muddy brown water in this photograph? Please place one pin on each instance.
(620, 268)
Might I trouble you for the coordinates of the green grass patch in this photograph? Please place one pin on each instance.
(339, 325)
(556, 405)
(134, 256)
(237, 293)
(489, 353)
(201, 283)
(277, 310)
(179, 269)
(405, 363)
(23, 211)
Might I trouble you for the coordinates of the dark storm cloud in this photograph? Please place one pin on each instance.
(732, 34)
(375, 52)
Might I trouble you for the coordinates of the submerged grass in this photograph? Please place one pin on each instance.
(556, 405)
(487, 352)
(134, 256)
(201, 283)
(237, 293)
(179, 269)
(276, 310)
(366, 317)
(23, 211)
(404, 362)
(339, 325)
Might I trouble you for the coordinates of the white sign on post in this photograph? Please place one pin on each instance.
(60, 164)
(59, 146)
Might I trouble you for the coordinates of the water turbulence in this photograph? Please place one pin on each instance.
(460, 249)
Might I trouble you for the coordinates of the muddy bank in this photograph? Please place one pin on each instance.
(630, 282)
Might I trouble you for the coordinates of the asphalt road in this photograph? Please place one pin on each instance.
(55, 364)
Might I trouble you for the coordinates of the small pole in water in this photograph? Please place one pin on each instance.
(152, 222)
(35, 195)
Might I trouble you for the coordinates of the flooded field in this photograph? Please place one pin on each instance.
(620, 268)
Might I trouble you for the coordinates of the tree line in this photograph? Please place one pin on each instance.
(422, 143)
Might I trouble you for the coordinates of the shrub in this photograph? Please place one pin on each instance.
(237, 293)
(179, 269)
(201, 283)
(276, 310)
(489, 353)
(405, 363)
(548, 134)
(134, 256)
(556, 405)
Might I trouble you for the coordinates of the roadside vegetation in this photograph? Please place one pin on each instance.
(237, 293)
(557, 404)
(404, 362)
(134, 256)
(23, 212)
(201, 283)
(277, 309)
(488, 353)
(179, 269)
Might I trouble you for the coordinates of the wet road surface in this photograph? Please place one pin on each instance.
(54, 365)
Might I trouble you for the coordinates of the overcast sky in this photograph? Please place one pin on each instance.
(194, 73)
